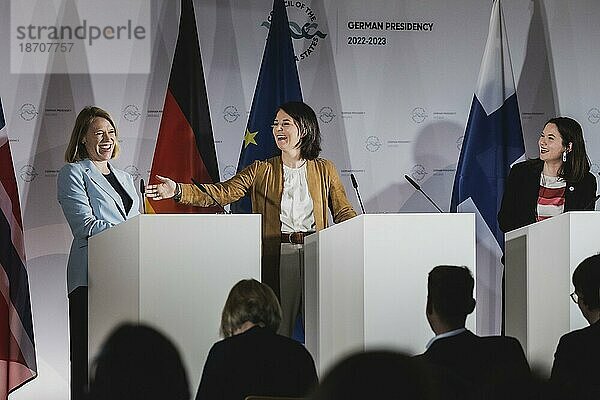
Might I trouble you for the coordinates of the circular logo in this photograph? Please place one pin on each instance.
(230, 114)
(459, 142)
(326, 115)
(593, 115)
(304, 27)
(133, 171)
(373, 144)
(418, 172)
(27, 173)
(131, 113)
(28, 112)
(228, 171)
(418, 115)
(595, 167)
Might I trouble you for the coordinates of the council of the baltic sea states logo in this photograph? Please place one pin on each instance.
(228, 171)
(418, 115)
(27, 112)
(373, 144)
(27, 173)
(593, 115)
(326, 114)
(418, 172)
(304, 28)
(231, 114)
(131, 112)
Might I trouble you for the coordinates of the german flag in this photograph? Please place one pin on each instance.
(185, 147)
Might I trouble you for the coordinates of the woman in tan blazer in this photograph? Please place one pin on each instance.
(292, 193)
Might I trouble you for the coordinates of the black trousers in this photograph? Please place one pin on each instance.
(78, 329)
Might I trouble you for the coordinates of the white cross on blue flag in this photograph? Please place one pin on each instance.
(493, 141)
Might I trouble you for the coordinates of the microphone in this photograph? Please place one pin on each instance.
(355, 184)
(592, 203)
(143, 191)
(203, 190)
(416, 186)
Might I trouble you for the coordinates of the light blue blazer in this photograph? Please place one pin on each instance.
(90, 205)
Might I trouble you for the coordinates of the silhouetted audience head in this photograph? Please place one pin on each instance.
(576, 364)
(586, 280)
(450, 294)
(494, 367)
(138, 362)
(250, 301)
(376, 375)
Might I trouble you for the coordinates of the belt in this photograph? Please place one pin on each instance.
(294, 237)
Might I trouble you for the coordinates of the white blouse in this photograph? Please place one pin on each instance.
(296, 204)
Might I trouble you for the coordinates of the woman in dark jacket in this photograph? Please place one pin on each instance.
(556, 182)
(253, 359)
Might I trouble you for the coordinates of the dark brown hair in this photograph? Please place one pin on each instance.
(76, 150)
(252, 301)
(306, 120)
(578, 163)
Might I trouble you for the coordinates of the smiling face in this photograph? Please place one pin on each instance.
(286, 133)
(100, 140)
(551, 144)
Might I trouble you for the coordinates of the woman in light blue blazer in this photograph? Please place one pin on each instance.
(94, 195)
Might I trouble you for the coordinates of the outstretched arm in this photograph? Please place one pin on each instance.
(226, 192)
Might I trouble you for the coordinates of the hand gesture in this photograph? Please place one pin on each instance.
(164, 190)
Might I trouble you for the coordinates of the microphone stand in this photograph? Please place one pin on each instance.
(143, 191)
(203, 190)
(355, 185)
(416, 186)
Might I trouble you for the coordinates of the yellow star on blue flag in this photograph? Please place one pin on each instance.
(249, 138)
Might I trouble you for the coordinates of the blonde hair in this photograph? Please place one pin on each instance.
(76, 150)
(250, 300)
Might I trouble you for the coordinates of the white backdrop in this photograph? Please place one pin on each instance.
(385, 109)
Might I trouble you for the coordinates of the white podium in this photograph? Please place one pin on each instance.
(540, 260)
(172, 271)
(366, 281)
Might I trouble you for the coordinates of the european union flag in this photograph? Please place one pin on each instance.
(277, 83)
(493, 141)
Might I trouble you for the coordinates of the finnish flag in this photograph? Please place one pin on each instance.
(493, 141)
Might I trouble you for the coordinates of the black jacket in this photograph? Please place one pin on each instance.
(495, 365)
(519, 203)
(257, 362)
(576, 368)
